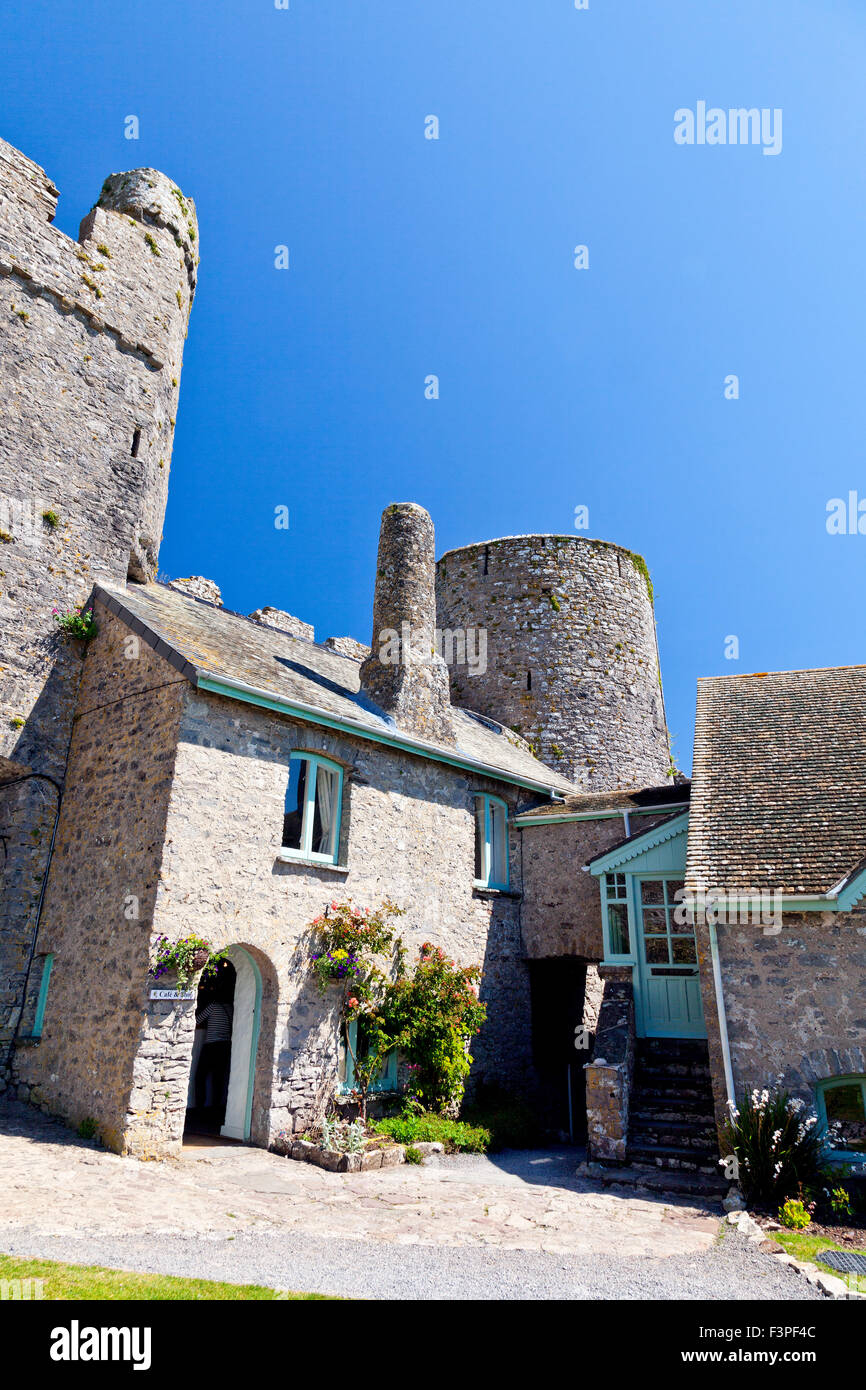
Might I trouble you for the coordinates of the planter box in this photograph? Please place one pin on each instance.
(304, 1151)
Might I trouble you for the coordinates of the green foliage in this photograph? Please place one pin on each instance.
(840, 1202)
(184, 958)
(361, 951)
(17, 721)
(151, 242)
(87, 1129)
(434, 1013)
(640, 565)
(51, 519)
(430, 1014)
(76, 622)
(794, 1214)
(413, 1155)
(427, 1128)
(555, 603)
(103, 250)
(779, 1148)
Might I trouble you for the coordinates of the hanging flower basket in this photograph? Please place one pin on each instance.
(184, 958)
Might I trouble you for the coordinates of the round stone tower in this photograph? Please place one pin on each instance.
(572, 660)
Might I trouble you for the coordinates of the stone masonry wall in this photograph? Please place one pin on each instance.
(572, 662)
(98, 912)
(91, 341)
(795, 1003)
(407, 834)
(562, 905)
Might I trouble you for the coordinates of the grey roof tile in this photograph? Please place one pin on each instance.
(779, 781)
(205, 640)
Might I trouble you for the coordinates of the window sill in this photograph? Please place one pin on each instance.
(301, 863)
(479, 891)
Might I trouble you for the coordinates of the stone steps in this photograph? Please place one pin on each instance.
(672, 1131)
(685, 1184)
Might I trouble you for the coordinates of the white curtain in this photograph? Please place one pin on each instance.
(326, 805)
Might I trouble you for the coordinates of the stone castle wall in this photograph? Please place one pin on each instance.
(91, 341)
(99, 904)
(572, 662)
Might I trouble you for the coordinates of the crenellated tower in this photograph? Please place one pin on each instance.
(91, 345)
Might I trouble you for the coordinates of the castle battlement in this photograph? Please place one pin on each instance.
(91, 346)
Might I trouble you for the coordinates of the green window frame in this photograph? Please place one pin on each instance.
(385, 1081)
(491, 842)
(665, 941)
(42, 998)
(313, 809)
(616, 921)
(854, 1083)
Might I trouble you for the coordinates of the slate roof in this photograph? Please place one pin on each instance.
(631, 799)
(779, 781)
(200, 639)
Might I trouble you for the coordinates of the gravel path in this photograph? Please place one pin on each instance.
(731, 1269)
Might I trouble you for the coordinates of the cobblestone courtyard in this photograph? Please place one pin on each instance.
(522, 1223)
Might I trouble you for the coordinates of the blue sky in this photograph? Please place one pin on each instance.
(558, 388)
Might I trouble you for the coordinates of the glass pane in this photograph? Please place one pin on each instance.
(655, 950)
(293, 820)
(617, 929)
(674, 886)
(846, 1116)
(615, 885)
(499, 846)
(479, 839)
(325, 816)
(654, 919)
(683, 950)
(652, 890)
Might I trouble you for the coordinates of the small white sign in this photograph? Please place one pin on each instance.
(172, 994)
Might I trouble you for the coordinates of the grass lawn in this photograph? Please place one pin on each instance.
(805, 1247)
(62, 1281)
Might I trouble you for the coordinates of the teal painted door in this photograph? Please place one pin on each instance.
(669, 1004)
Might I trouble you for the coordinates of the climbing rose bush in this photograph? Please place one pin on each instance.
(436, 1012)
(430, 1014)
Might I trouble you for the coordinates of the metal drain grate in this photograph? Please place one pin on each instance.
(844, 1261)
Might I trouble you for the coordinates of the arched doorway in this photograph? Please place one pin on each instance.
(228, 1015)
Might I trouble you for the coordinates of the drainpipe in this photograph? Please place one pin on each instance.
(723, 1020)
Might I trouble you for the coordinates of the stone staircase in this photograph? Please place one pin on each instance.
(672, 1141)
(672, 1132)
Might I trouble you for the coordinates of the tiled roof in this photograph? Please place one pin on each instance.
(202, 640)
(631, 799)
(779, 781)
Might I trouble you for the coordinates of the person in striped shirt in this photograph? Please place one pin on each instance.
(215, 1057)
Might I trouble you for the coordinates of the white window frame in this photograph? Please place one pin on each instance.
(487, 856)
(314, 762)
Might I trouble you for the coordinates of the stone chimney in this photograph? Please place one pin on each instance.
(404, 673)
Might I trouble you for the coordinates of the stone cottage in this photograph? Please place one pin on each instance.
(496, 762)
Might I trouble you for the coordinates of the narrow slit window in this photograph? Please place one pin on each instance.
(42, 997)
(136, 440)
(491, 843)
